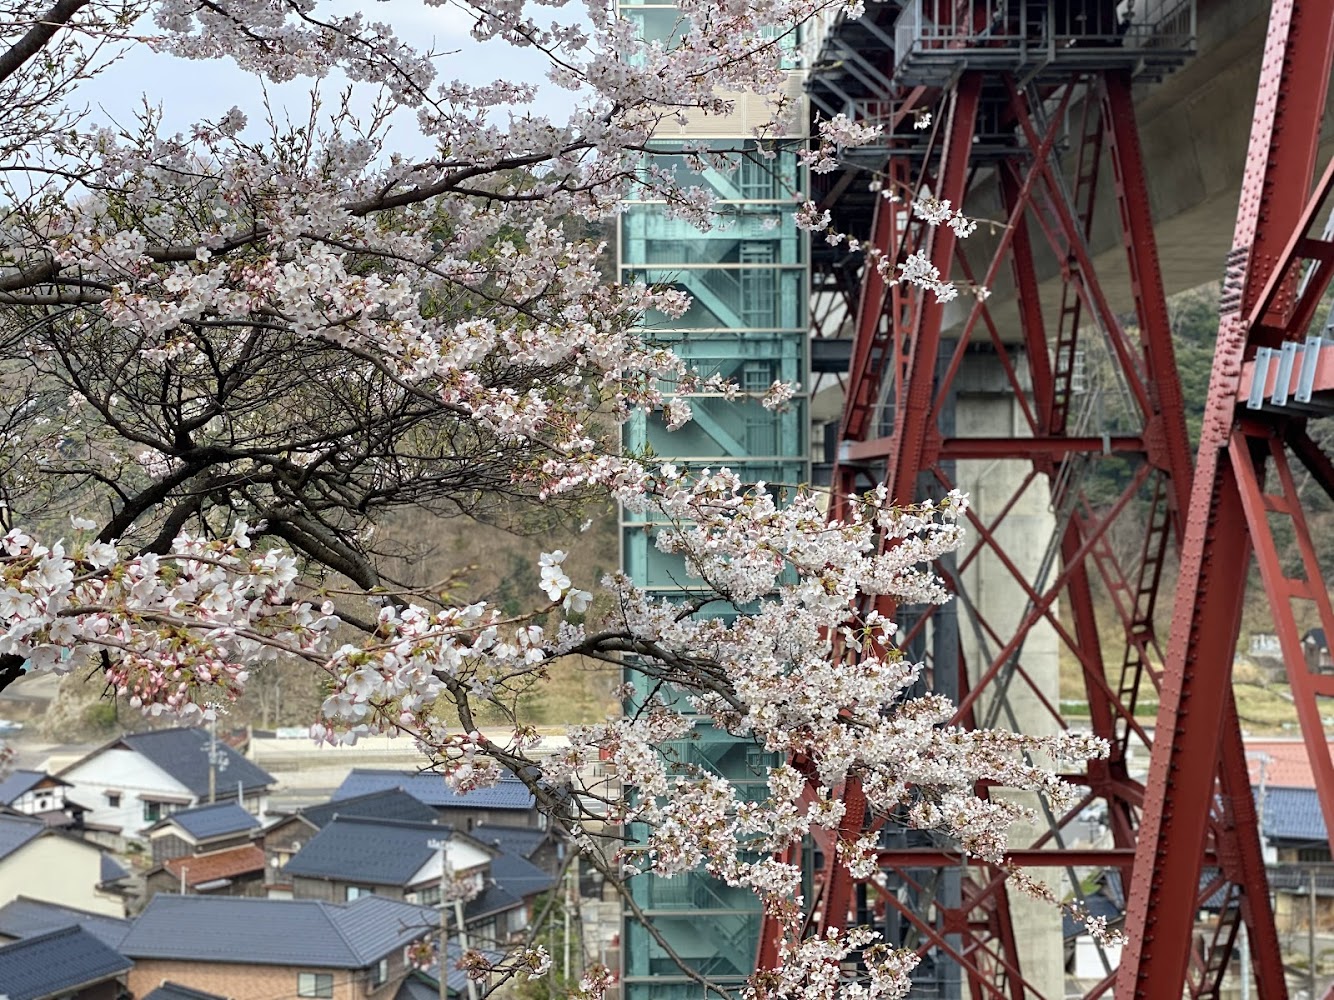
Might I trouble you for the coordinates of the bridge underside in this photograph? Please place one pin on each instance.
(1034, 129)
(1190, 126)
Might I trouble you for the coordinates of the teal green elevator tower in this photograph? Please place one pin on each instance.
(748, 278)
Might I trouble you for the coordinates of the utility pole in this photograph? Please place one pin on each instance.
(463, 942)
(212, 761)
(441, 976)
(446, 879)
(1310, 931)
(565, 939)
(217, 762)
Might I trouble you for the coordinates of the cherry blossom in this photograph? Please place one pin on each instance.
(239, 348)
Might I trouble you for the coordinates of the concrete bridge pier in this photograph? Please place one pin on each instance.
(991, 604)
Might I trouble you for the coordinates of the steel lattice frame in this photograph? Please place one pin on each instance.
(1189, 837)
(1276, 274)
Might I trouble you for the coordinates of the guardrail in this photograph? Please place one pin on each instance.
(955, 28)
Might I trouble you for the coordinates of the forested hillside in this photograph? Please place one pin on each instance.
(1261, 690)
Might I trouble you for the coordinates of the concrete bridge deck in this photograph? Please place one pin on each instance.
(1194, 124)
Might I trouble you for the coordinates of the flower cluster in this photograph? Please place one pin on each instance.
(936, 212)
(813, 969)
(459, 301)
(185, 629)
(800, 670)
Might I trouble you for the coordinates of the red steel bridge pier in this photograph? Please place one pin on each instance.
(1033, 126)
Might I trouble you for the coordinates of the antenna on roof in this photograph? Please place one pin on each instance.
(217, 761)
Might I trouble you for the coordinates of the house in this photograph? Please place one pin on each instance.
(1292, 830)
(206, 849)
(235, 871)
(1085, 958)
(200, 830)
(1292, 825)
(507, 802)
(503, 910)
(278, 948)
(286, 835)
(353, 856)
(36, 793)
(68, 963)
(24, 918)
(41, 862)
(134, 781)
(542, 847)
(1283, 783)
(390, 803)
(1316, 648)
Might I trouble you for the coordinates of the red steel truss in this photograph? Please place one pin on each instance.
(1255, 417)
(1037, 144)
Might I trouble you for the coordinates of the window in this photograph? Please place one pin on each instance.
(314, 984)
(152, 811)
(113, 800)
(357, 891)
(380, 974)
(426, 896)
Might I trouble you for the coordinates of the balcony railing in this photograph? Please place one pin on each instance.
(933, 38)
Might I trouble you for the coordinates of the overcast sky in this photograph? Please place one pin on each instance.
(190, 90)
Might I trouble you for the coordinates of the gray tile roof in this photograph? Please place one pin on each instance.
(417, 988)
(1220, 897)
(183, 753)
(257, 931)
(495, 898)
(51, 964)
(111, 869)
(391, 803)
(15, 831)
(17, 783)
(1292, 814)
(216, 820)
(24, 918)
(175, 991)
(519, 875)
(1107, 899)
(374, 851)
(429, 787)
(521, 840)
(377, 926)
(1097, 905)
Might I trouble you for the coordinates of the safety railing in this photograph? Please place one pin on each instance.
(1040, 32)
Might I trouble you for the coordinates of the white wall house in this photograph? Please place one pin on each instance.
(136, 780)
(123, 789)
(33, 792)
(467, 864)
